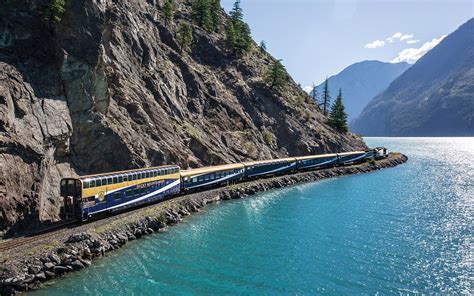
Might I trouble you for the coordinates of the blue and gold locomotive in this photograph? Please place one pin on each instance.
(90, 195)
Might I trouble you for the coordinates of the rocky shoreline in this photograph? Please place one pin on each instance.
(26, 268)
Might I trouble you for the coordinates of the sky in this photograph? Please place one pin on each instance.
(319, 38)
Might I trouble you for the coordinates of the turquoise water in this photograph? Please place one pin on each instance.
(405, 230)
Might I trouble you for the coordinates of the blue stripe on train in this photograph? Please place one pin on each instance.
(137, 194)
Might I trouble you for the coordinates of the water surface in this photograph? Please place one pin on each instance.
(407, 229)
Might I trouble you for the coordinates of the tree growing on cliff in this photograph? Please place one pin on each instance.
(201, 14)
(53, 12)
(314, 94)
(215, 14)
(184, 37)
(240, 39)
(338, 115)
(325, 98)
(263, 46)
(276, 75)
(168, 11)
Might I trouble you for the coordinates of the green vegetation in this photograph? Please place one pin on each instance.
(371, 161)
(184, 36)
(338, 116)
(53, 12)
(276, 75)
(206, 14)
(263, 46)
(168, 11)
(268, 137)
(326, 97)
(238, 35)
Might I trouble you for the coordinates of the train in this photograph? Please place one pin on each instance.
(102, 194)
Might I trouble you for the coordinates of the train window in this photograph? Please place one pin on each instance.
(109, 180)
(91, 198)
(85, 184)
(117, 195)
(98, 182)
(147, 175)
(134, 176)
(120, 179)
(115, 180)
(155, 174)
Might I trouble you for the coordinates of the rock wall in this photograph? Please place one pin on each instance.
(107, 88)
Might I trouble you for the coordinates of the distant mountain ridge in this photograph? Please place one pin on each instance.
(435, 97)
(361, 82)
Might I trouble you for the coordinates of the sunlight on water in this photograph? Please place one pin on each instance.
(403, 230)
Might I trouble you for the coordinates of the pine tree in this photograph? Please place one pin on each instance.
(276, 75)
(201, 14)
(168, 11)
(314, 94)
(215, 14)
(263, 46)
(230, 34)
(241, 37)
(54, 11)
(338, 116)
(326, 97)
(184, 36)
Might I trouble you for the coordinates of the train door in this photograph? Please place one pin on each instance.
(71, 192)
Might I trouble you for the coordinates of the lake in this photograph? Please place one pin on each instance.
(407, 229)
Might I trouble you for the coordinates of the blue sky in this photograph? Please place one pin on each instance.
(317, 38)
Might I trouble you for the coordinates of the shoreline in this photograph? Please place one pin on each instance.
(28, 266)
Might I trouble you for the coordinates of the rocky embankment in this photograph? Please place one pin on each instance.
(26, 267)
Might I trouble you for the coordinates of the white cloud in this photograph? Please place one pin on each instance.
(411, 55)
(308, 89)
(375, 44)
(408, 38)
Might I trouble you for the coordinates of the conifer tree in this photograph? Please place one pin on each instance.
(168, 11)
(54, 11)
(314, 94)
(338, 115)
(276, 75)
(263, 46)
(326, 97)
(242, 39)
(215, 14)
(230, 34)
(184, 37)
(201, 14)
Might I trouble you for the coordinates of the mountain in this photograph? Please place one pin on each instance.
(361, 82)
(435, 97)
(108, 88)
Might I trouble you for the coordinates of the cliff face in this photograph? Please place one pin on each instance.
(107, 88)
(434, 97)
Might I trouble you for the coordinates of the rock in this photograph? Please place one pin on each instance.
(55, 258)
(78, 237)
(60, 269)
(49, 265)
(85, 262)
(40, 276)
(34, 269)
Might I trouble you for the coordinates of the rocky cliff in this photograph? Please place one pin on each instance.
(107, 88)
(434, 97)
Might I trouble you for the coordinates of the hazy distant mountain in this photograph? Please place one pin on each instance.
(435, 97)
(361, 82)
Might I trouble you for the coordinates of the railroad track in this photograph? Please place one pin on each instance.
(40, 235)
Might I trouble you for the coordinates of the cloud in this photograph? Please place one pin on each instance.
(411, 55)
(408, 38)
(308, 89)
(413, 41)
(394, 37)
(375, 44)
